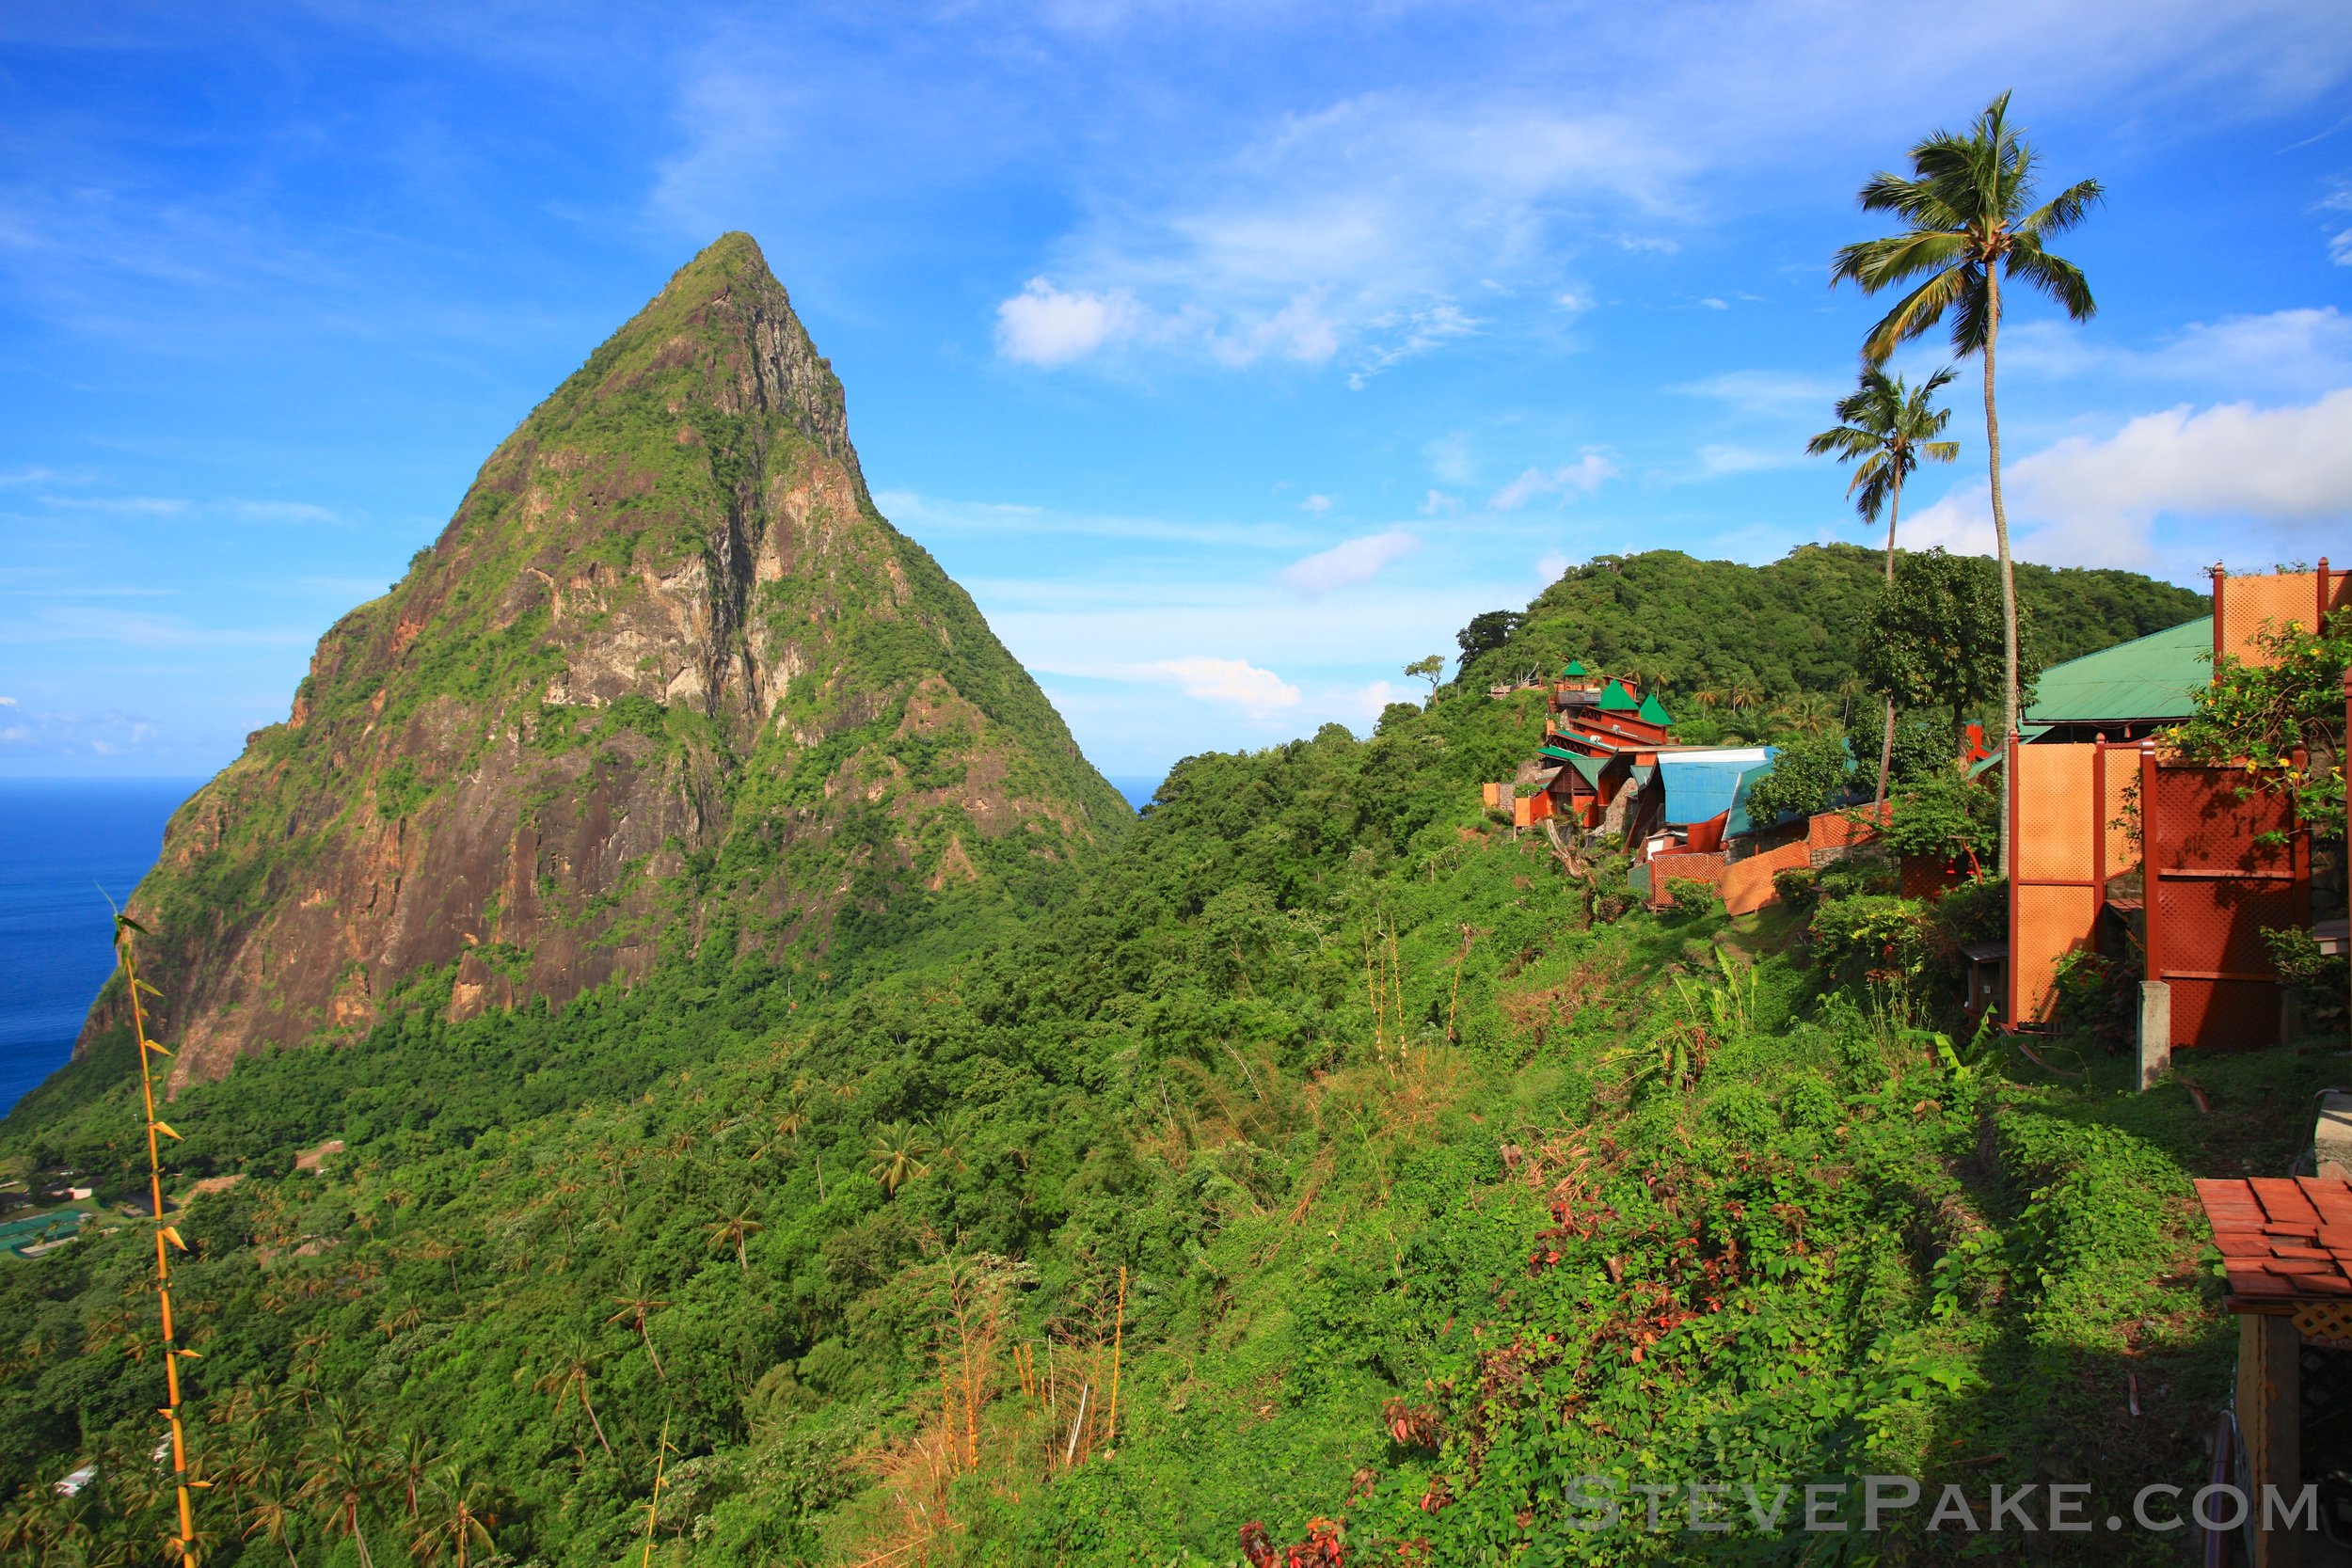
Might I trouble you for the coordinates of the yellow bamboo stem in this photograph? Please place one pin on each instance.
(653, 1504)
(165, 1237)
(1118, 1331)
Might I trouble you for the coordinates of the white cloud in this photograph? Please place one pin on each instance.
(1348, 565)
(1436, 503)
(1316, 504)
(8, 702)
(1714, 304)
(2289, 467)
(1043, 326)
(1552, 566)
(1226, 680)
(2275, 472)
(1570, 481)
(1449, 458)
(1715, 460)
(2304, 351)
(1765, 391)
(2339, 243)
(1368, 700)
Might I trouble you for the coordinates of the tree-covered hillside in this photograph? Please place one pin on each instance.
(1325, 1156)
(1790, 626)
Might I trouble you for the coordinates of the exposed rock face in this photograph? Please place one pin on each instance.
(667, 675)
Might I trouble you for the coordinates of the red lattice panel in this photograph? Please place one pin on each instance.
(2224, 1014)
(2217, 924)
(2203, 826)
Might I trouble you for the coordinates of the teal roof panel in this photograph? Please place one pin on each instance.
(2150, 678)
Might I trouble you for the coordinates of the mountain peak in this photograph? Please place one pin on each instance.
(667, 676)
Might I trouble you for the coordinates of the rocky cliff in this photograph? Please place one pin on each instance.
(666, 677)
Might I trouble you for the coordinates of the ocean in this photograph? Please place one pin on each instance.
(61, 841)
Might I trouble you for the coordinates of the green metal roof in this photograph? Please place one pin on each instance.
(1654, 711)
(1589, 769)
(1560, 753)
(1615, 699)
(1575, 668)
(2149, 677)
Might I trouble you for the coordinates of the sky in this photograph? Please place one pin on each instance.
(1231, 355)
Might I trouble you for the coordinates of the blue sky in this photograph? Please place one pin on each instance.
(1231, 355)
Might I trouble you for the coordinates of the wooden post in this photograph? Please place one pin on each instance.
(2269, 1405)
(2098, 830)
(2319, 626)
(2219, 576)
(2150, 871)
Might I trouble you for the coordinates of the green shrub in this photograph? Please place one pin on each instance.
(1691, 898)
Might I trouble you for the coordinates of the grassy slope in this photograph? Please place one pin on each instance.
(1252, 1059)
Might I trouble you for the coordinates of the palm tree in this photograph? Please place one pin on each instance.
(568, 1371)
(896, 1156)
(1888, 428)
(635, 1306)
(1744, 693)
(412, 1461)
(458, 1519)
(734, 1231)
(271, 1506)
(338, 1467)
(1802, 713)
(1969, 210)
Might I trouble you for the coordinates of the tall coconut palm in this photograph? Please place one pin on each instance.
(898, 1155)
(734, 1231)
(636, 1305)
(1888, 428)
(456, 1521)
(1969, 215)
(566, 1376)
(341, 1471)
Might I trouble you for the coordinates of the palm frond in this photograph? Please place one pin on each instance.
(2064, 210)
(1875, 263)
(2061, 279)
(1920, 310)
(1972, 323)
(1939, 451)
(1845, 443)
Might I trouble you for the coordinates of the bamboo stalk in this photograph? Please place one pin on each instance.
(653, 1504)
(165, 1233)
(1118, 1331)
(1070, 1455)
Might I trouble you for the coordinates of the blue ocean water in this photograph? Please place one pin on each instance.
(1137, 791)
(61, 840)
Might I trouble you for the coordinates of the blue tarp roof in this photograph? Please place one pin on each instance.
(1701, 785)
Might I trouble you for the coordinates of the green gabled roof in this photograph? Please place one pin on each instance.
(1653, 711)
(2150, 678)
(1560, 753)
(1589, 769)
(1575, 668)
(1615, 698)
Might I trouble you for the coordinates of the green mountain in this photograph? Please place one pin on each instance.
(1791, 625)
(940, 1168)
(666, 677)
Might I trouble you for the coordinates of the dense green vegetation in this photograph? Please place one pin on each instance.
(1716, 634)
(1316, 1116)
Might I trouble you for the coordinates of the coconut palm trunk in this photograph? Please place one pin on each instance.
(1886, 741)
(2000, 541)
